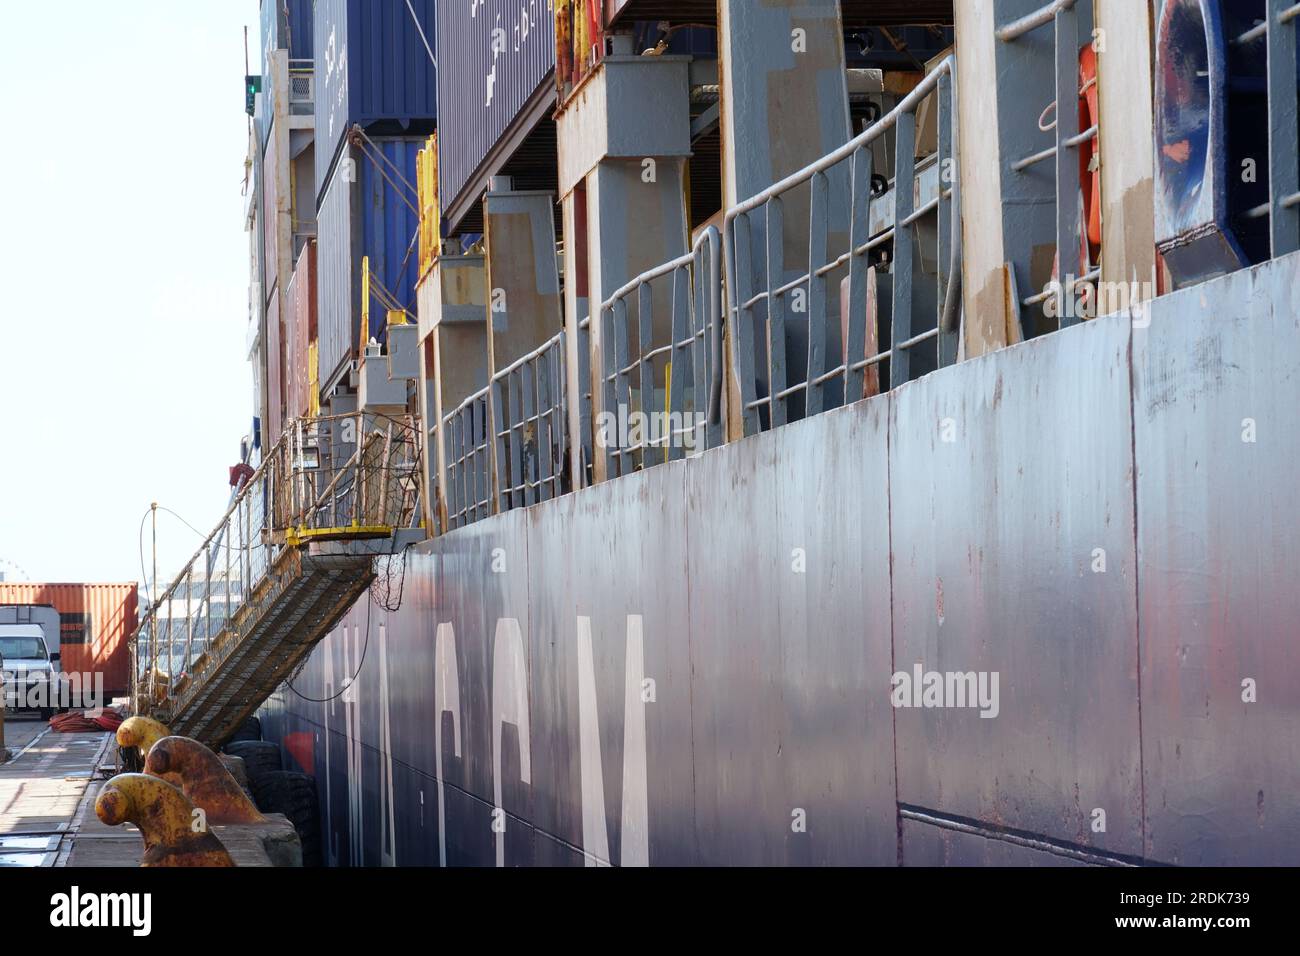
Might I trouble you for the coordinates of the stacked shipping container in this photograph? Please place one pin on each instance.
(286, 25)
(274, 372)
(485, 84)
(95, 622)
(369, 210)
(374, 69)
(300, 335)
(286, 203)
(275, 224)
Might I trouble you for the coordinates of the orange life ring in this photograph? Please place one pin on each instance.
(1089, 162)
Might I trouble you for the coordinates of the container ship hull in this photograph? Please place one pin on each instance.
(710, 661)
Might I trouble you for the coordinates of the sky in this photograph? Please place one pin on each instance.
(124, 265)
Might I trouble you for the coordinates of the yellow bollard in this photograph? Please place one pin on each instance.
(174, 833)
(141, 733)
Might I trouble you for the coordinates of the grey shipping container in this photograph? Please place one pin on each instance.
(497, 64)
(365, 213)
(374, 69)
(273, 224)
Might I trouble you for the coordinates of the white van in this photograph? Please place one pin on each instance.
(29, 659)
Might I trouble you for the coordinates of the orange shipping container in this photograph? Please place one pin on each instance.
(96, 622)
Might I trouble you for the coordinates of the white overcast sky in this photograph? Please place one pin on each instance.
(124, 266)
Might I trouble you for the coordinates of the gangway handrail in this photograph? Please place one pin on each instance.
(279, 481)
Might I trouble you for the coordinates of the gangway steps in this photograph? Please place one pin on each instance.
(302, 600)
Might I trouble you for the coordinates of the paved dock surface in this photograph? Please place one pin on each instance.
(41, 792)
(22, 729)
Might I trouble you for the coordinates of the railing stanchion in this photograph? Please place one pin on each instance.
(949, 282)
(683, 347)
(1067, 163)
(621, 407)
(645, 370)
(778, 370)
(904, 203)
(1283, 163)
(189, 629)
(855, 342)
(819, 223)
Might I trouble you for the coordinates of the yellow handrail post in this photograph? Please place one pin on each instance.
(365, 306)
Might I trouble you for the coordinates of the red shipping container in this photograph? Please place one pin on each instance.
(300, 333)
(96, 622)
(274, 374)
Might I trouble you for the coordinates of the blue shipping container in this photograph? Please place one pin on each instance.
(291, 30)
(369, 209)
(374, 69)
(497, 58)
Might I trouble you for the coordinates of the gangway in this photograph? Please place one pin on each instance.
(294, 551)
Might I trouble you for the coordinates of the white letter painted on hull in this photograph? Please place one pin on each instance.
(331, 834)
(446, 684)
(352, 726)
(634, 845)
(509, 706)
(388, 831)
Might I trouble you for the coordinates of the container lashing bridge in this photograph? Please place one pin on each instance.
(295, 549)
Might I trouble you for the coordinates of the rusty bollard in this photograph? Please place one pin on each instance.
(203, 778)
(174, 833)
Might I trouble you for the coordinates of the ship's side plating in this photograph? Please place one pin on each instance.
(692, 664)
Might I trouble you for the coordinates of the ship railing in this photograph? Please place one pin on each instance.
(585, 400)
(1063, 16)
(330, 478)
(661, 385)
(506, 446)
(767, 307)
(467, 439)
(1278, 30)
(530, 427)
